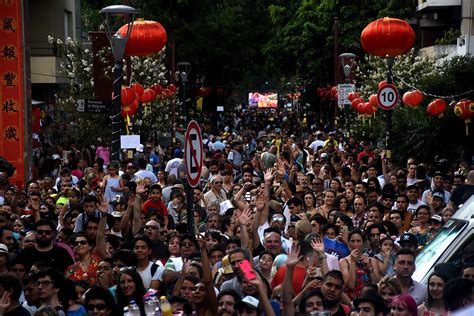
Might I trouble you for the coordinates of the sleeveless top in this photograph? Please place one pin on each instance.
(362, 279)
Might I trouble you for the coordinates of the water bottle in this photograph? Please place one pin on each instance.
(165, 307)
(133, 309)
(151, 306)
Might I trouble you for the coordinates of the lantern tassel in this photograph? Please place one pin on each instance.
(467, 121)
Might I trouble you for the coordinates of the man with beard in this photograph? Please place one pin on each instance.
(226, 301)
(45, 250)
(159, 250)
(333, 284)
(236, 256)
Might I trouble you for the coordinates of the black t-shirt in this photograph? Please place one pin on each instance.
(462, 194)
(18, 311)
(58, 257)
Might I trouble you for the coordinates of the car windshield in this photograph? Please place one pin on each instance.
(430, 254)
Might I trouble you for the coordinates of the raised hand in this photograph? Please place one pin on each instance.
(317, 245)
(268, 175)
(294, 256)
(281, 167)
(246, 216)
(103, 207)
(201, 241)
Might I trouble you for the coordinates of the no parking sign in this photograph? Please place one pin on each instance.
(193, 155)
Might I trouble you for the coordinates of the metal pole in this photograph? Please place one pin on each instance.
(116, 122)
(388, 135)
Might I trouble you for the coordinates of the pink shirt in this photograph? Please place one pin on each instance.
(103, 152)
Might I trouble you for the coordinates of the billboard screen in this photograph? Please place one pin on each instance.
(267, 99)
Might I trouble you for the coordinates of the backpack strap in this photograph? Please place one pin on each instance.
(153, 269)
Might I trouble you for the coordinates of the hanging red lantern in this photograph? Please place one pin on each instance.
(148, 96)
(373, 101)
(353, 95)
(436, 107)
(333, 92)
(412, 98)
(172, 88)
(127, 95)
(321, 93)
(356, 103)
(147, 38)
(137, 87)
(157, 88)
(369, 109)
(465, 110)
(130, 109)
(387, 37)
(382, 83)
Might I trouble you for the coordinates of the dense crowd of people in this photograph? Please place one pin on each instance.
(282, 225)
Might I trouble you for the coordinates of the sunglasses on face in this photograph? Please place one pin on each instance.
(44, 232)
(99, 307)
(151, 227)
(82, 242)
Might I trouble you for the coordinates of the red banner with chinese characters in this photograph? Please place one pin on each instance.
(12, 129)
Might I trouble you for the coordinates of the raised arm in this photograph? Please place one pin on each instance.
(244, 219)
(287, 287)
(207, 276)
(100, 243)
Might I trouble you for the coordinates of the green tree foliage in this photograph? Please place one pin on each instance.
(304, 40)
(415, 133)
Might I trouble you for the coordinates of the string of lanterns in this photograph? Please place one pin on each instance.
(135, 94)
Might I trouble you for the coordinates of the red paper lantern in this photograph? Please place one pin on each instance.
(353, 95)
(465, 110)
(356, 103)
(333, 91)
(369, 109)
(130, 109)
(172, 88)
(148, 96)
(137, 87)
(436, 107)
(158, 88)
(127, 95)
(147, 38)
(382, 83)
(412, 98)
(373, 101)
(387, 37)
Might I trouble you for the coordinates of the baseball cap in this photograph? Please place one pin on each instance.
(248, 301)
(56, 157)
(3, 248)
(118, 199)
(436, 218)
(413, 186)
(408, 238)
(130, 165)
(117, 214)
(438, 194)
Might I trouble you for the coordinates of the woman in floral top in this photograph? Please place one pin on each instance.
(88, 257)
(87, 262)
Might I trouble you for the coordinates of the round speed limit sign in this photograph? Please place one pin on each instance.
(387, 97)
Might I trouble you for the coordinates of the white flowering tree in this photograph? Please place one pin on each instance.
(77, 68)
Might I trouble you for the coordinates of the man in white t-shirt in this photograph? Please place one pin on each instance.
(172, 167)
(413, 193)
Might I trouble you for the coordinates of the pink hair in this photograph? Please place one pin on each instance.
(406, 301)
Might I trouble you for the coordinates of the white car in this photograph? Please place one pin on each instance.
(453, 243)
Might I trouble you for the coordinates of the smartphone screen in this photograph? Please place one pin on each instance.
(246, 269)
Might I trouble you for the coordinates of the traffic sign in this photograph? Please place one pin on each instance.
(93, 106)
(387, 97)
(193, 153)
(343, 91)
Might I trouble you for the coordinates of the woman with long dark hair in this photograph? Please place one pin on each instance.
(130, 288)
(434, 304)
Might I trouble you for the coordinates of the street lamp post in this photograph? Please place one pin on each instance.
(347, 62)
(117, 43)
(184, 68)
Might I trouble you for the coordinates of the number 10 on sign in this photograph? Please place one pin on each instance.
(387, 97)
